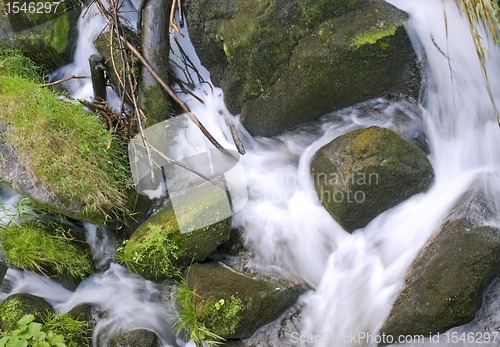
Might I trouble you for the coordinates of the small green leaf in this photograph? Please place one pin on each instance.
(27, 319)
(34, 328)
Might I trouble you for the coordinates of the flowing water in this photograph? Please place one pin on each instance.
(354, 277)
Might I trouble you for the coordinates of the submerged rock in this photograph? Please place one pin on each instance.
(444, 285)
(282, 63)
(232, 305)
(136, 338)
(16, 306)
(367, 171)
(158, 248)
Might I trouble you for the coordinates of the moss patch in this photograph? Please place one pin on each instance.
(372, 36)
(17, 305)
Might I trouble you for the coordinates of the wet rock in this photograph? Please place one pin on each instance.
(3, 268)
(282, 63)
(444, 285)
(158, 248)
(88, 312)
(365, 172)
(136, 338)
(232, 305)
(15, 306)
(48, 39)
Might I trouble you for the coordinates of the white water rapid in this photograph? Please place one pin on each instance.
(354, 277)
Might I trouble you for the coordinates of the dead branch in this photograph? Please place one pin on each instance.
(63, 80)
(236, 138)
(186, 109)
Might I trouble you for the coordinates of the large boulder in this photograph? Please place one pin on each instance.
(444, 285)
(232, 305)
(159, 248)
(49, 39)
(367, 171)
(285, 62)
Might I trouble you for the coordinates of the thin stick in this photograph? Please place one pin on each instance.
(186, 167)
(63, 80)
(236, 138)
(141, 129)
(176, 98)
(173, 24)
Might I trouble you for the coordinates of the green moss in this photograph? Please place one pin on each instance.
(36, 247)
(10, 311)
(224, 316)
(59, 39)
(152, 254)
(65, 146)
(156, 105)
(372, 36)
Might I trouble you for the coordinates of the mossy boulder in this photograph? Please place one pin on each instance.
(48, 249)
(47, 38)
(445, 284)
(232, 305)
(282, 63)
(158, 248)
(367, 171)
(15, 306)
(136, 338)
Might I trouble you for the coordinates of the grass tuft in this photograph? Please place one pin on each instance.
(30, 246)
(72, 330)
(188, 319)
(14, 63)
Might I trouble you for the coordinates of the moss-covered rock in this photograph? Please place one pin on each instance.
(15, 306)
(47, 38)
(285, 62)
(445, 284)
(56, 154)
(158, 248)
(367, 171)
(48, 249)
(232, 305)
(136, 338)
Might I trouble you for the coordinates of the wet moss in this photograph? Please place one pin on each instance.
(156, 104)
(17, 305)
(223, 316)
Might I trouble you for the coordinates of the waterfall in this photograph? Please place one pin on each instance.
(355, 277)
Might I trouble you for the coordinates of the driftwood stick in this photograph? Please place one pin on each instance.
(236, 138)
(63, 80)
(186, 109)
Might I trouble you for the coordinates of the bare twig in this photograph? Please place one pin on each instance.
(173, 24)
(236, 138)
(63, 80)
